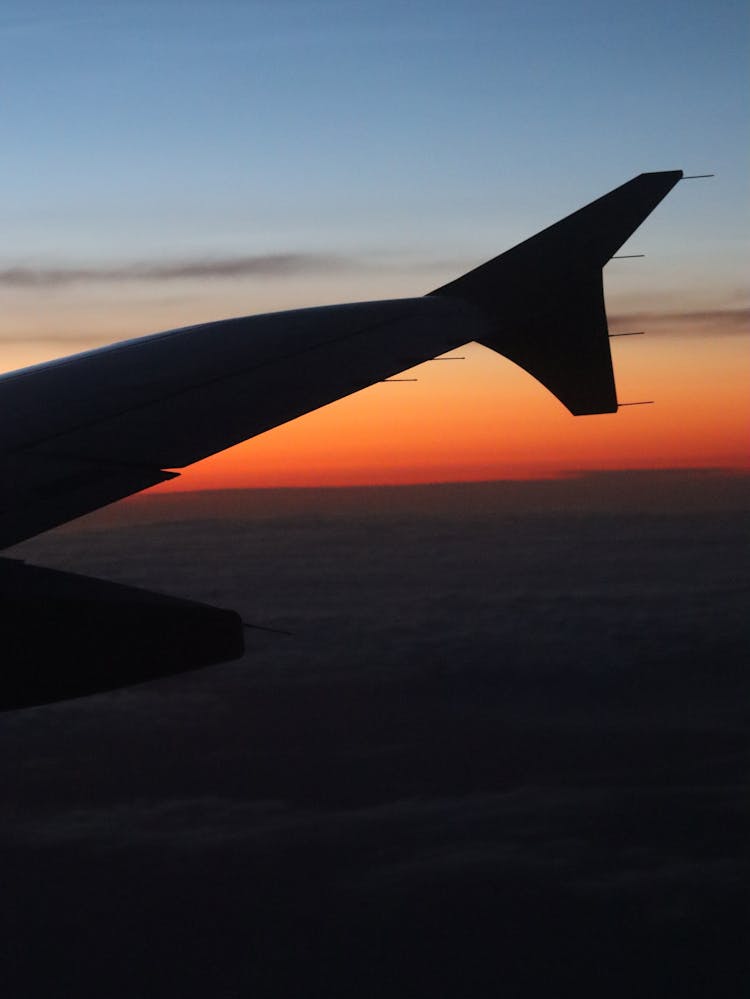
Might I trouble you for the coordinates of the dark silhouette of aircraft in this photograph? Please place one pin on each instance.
(87, 430)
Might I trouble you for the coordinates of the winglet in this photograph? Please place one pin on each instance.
(545, 296)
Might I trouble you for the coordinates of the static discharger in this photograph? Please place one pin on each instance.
(627, 256)
(264, 627)
(697, 176)
(399, 380)
(414, 361)
(647, 402)
(636, 333)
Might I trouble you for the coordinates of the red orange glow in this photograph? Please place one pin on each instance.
(484, 418)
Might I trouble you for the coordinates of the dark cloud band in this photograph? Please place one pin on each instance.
(705, 322)
(262, 265)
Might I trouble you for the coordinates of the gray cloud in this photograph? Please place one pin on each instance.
(70, 341)
(258, 265)
(707, 322)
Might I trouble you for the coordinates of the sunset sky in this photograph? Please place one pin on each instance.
(167, 163)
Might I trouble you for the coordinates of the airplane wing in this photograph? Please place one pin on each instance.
(89, 429)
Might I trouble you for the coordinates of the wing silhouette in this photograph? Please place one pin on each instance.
(89, 429)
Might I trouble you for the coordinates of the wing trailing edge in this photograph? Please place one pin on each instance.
(544, 298)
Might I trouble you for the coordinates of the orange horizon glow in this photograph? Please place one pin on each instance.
(485, 419)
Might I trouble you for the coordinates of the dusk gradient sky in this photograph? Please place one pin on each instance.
(169, 163)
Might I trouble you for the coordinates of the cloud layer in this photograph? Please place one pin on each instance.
(260, 265)
(691, 323)
(717, 321)
(498, 747)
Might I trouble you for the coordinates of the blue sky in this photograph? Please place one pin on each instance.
(408, 141)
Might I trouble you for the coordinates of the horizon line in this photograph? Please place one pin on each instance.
(565, 476)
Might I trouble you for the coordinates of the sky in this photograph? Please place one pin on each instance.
(169, 163)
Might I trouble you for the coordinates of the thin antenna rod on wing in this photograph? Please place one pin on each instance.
(647, 402)
(414, 362)
(264, 627)
(384, 380)
(636, 333)
(627, 256)
(698, 176)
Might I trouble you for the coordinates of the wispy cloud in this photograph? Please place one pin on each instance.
(269, 265)
(670, 322)
(72, 341)
(708, 322)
